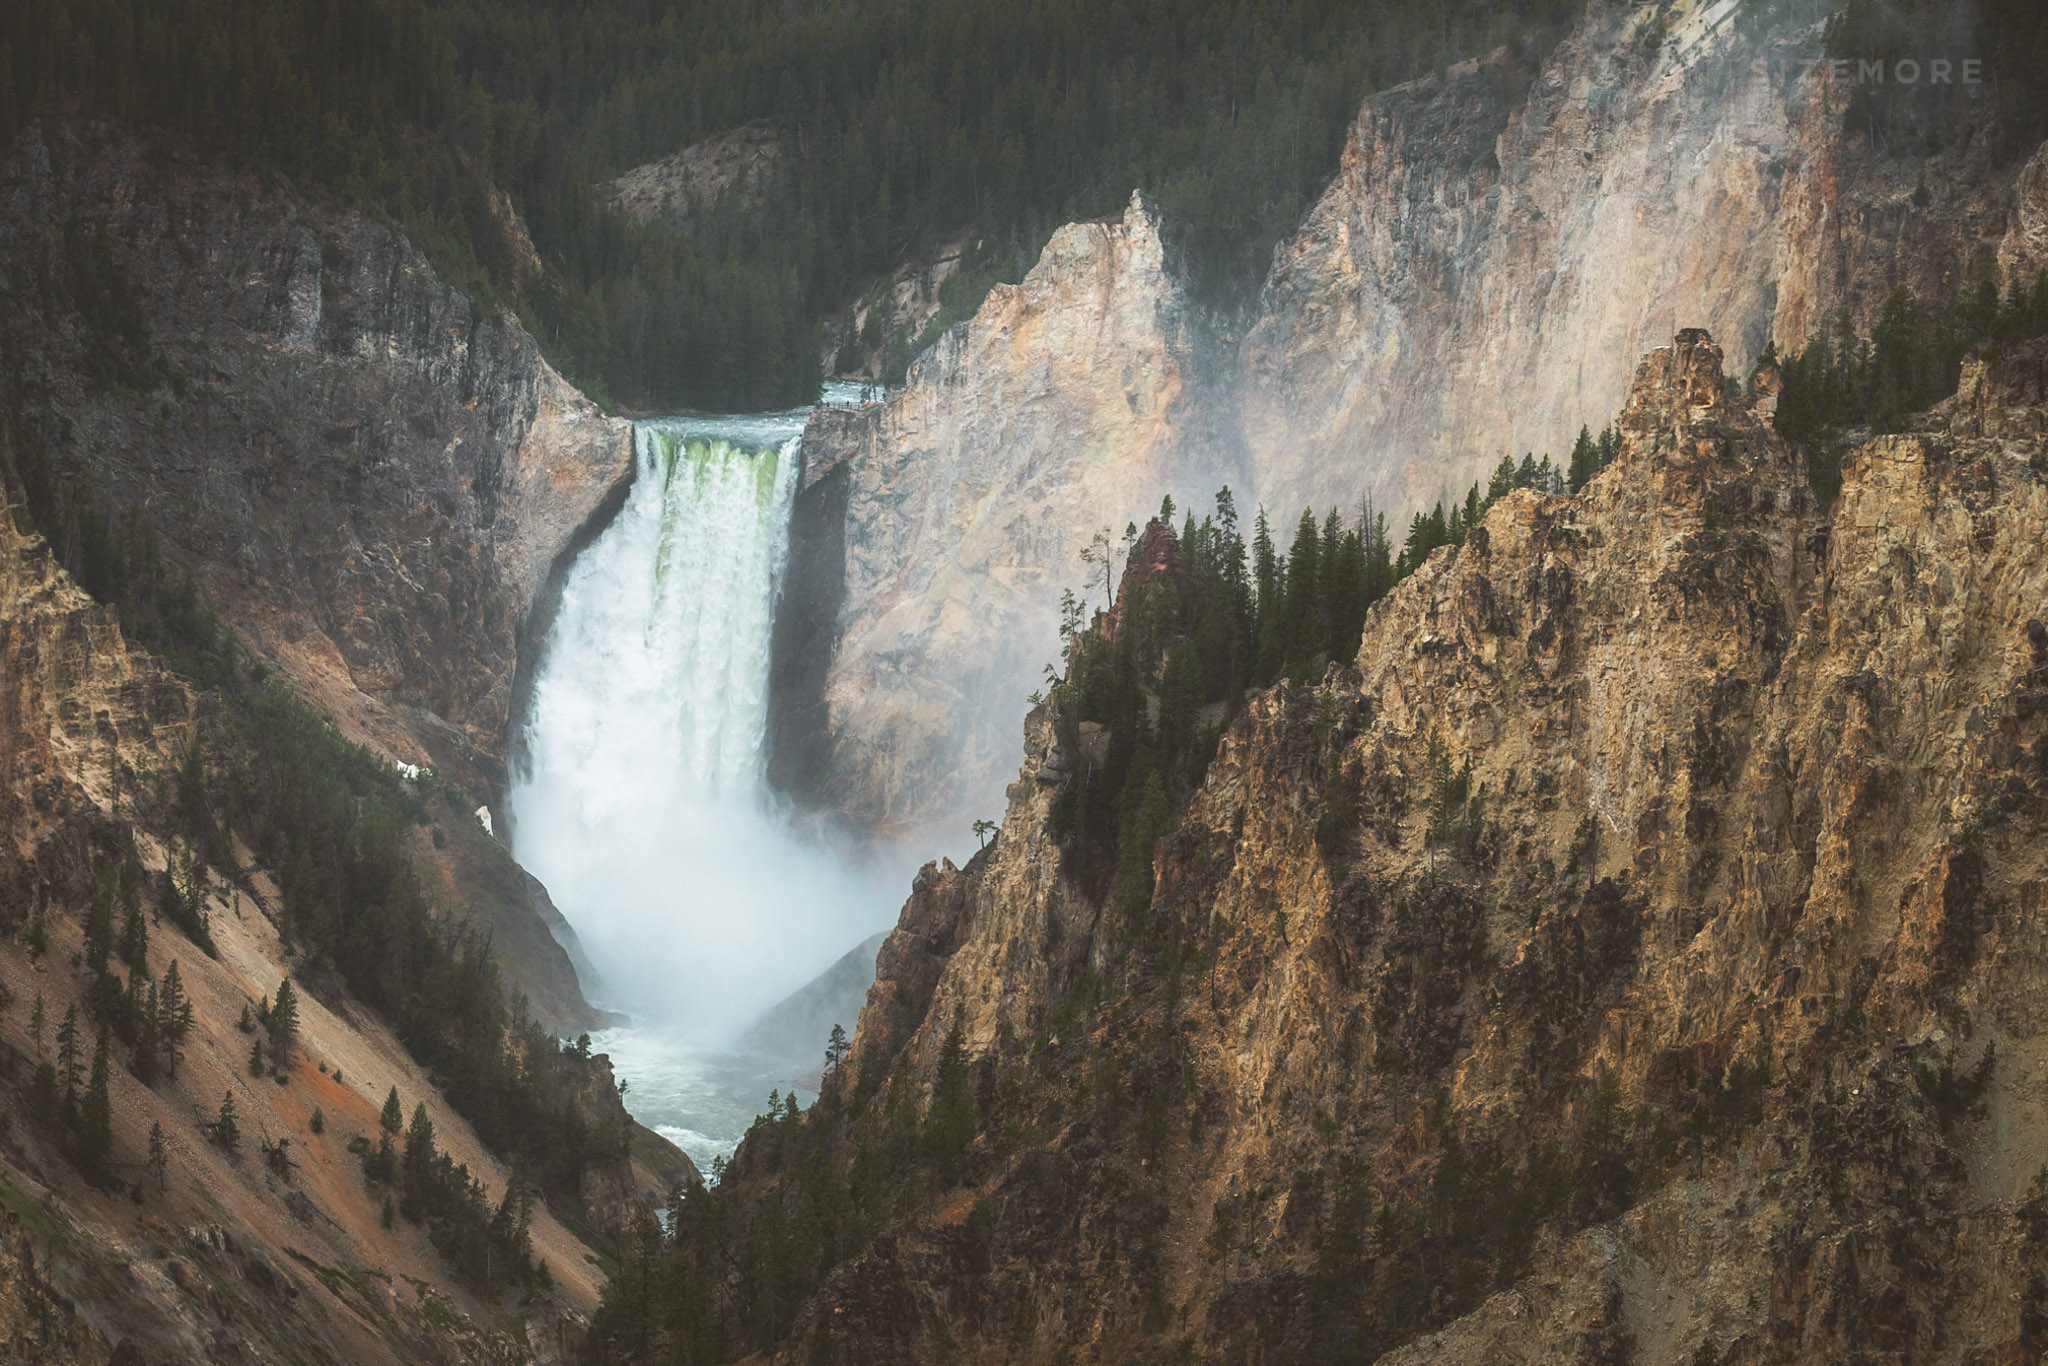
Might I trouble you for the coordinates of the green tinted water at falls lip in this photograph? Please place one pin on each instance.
(702, 463)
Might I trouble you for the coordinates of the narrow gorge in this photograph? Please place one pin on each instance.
(1632, 954)
(1161, 832)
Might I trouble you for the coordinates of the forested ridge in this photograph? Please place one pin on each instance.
(905, 121)
(269, 781)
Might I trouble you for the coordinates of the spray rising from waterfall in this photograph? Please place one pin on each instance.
(639, 798)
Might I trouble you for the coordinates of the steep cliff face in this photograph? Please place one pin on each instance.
(77, 706)
(372, 476)
(1633, 956)
(226, 1254)
(373, 480)
(1499, 239)
(1068, 403)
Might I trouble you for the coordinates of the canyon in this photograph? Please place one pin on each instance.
(1498, 243)
(1632, 954)
(1628, 954)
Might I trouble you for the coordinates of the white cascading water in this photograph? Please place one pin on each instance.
(639, 798)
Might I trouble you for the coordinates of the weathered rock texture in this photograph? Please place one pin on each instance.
(373, 477)
(1499, 240)
(374, 481)
(231, 1259)
(1683, 782)
(1068, 403)
(77, 706)
(675, 191)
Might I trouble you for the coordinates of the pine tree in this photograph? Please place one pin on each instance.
(96, 1115)
(835, 1048)
(256, 1056)
(1302, 624)
(284, 1026)
(135, 940)
(416, 1190)
(159, 1157)
(226, 1131)
(1610, 445)
(393, 1117)
(70, 1067)
(1379, 555)
(173, 1018)
(1330, 589)
(1585, 462)
(1502, 482)
(381, 1163)
(1270, 642)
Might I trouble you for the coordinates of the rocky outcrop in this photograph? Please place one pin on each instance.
(373, 478)
(1497, 243)
(675, 191)
(81, 714)
(1631, 957)
(644, 1170)
(374, 481)
(1068, 403)
(1500, 239)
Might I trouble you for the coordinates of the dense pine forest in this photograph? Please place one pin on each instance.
(1839, 382)
(905, 121)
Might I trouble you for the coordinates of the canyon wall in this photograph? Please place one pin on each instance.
(1498, 241)
(1500, 238)
(373, 480)
(373, 477)
(1632, 955)
(1069, 403)
(227, 1254)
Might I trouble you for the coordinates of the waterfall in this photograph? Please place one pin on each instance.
(638, 795)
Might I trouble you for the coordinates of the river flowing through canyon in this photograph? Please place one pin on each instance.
(638, 793)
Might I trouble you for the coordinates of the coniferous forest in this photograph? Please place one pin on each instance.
(328, 821)
(906, 121)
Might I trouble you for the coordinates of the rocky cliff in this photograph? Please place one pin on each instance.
(1499, 240)
(1632, 955)
(372, 475)
(225, 1253)
(1068, 403)
(373, 479)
